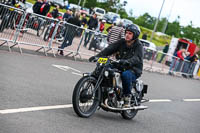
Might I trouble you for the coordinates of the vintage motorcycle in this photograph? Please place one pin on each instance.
(97, 39)
(103, 89)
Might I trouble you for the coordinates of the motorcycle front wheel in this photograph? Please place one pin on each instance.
(85, 100)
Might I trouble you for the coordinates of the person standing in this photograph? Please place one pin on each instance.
(116, 33)
(55, 12)
(67, 15)
(165, 50)
(45, 8)
(102, 25)
(92, 25)
(83, 20)
(71, 32)
(144, 36)
(37, 6)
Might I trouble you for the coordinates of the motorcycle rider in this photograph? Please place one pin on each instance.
(130, 55)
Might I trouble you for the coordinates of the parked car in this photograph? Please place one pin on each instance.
(74, 6)
(84, 11)
(111, 17)
(100, 12)
(149, 49)
(126, 22)
(61, 3)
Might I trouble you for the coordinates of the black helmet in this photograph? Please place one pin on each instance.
(134, 29)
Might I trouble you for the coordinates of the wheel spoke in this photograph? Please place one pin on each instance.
(86, 106)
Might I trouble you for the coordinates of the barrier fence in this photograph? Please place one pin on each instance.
(36, 32)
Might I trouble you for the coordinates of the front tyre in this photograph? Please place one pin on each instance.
(85, 101)
(129, 114)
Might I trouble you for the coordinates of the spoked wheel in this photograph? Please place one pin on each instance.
(129, 114)
(85, 100)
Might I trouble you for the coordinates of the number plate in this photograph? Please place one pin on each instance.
(102, 60)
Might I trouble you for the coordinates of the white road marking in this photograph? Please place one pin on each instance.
(191, 100)
(77, 74)
(66, 68)
(9, 111)
(159, 100)
(31, 109)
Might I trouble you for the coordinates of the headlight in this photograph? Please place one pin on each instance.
(139, 85)
(106, 73)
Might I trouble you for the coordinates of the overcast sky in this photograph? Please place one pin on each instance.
(188, 10)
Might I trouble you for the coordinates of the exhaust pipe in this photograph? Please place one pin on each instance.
(141, 107)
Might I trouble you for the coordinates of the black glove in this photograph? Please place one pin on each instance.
(91, 59)
(124, 62)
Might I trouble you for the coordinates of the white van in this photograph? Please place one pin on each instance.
(100, 12)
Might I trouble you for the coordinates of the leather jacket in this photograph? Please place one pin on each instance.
(133, 54)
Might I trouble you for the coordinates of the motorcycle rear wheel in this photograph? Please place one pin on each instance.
(84, 101)
(129, 114)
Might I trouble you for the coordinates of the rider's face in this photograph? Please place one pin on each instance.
(129, 35)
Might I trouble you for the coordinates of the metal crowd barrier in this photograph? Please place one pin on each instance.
(10, 19)
(23, 29)
(157, 61)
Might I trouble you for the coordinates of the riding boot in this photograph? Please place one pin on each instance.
(127, 101)
(61, 52)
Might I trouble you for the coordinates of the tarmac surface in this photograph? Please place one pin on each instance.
(36, 92)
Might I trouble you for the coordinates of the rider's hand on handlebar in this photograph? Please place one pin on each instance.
(124, 62)
(92, 59)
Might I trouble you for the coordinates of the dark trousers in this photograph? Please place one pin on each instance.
(128, 77)
(87, 38)
(162, 57)
(69, 36)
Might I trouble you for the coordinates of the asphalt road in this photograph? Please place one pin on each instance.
(36, 91)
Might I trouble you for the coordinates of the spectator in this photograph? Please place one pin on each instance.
(71, 32)
(45, 8)
(102, 25)
(83, 20)
(116, 33)
(67, 15)
(189, 65)
(165, 50)
(177, 61)
(144, 36)
(37, 6)
(92, 25)
(55, 12)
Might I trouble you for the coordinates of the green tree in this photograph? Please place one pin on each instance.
(174, 28)
(161, 24)
(90, 3)
(74, 1)
(146, 20)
